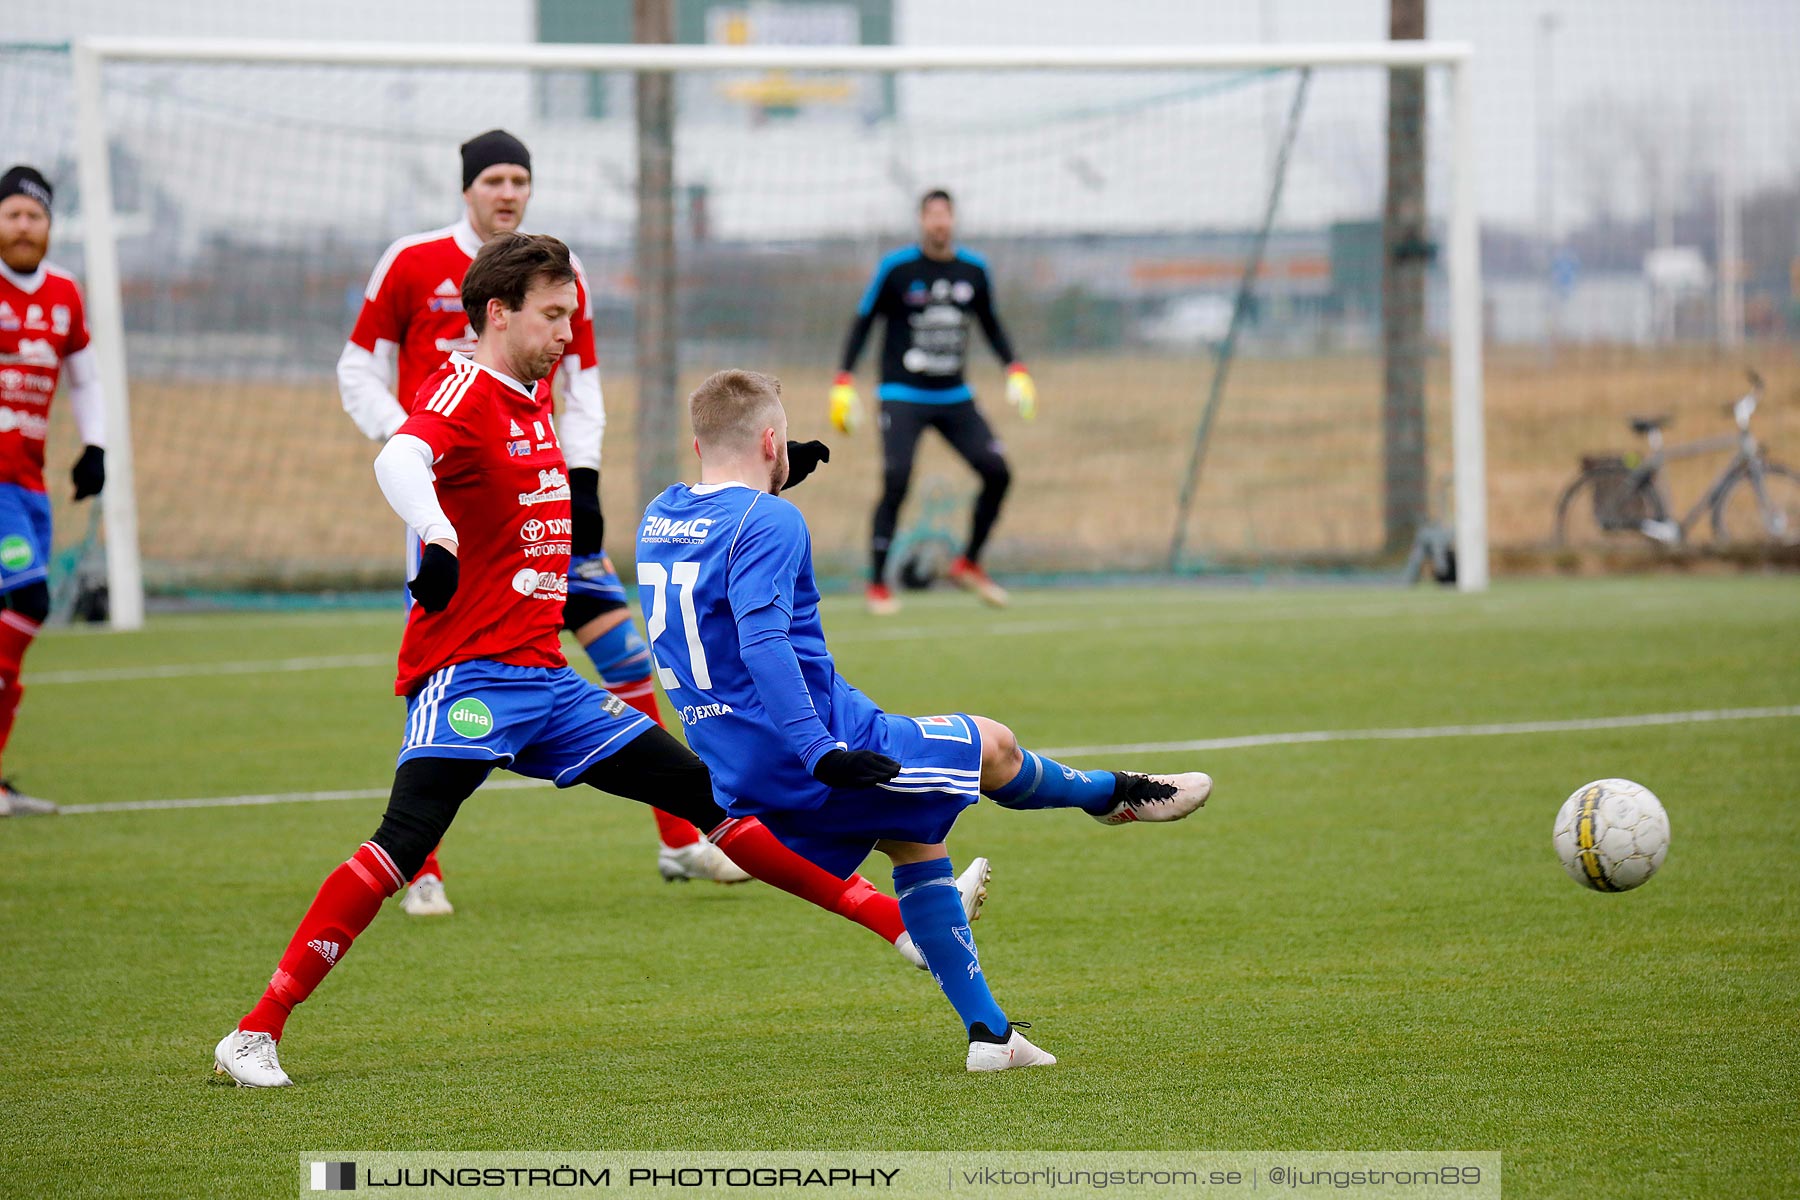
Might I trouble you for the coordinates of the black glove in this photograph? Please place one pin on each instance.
(803, 459)
(435, 583)
(854, 768)
(588, 527)
(89, 473)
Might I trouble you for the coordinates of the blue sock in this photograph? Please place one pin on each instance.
(620, 655)
(933, 913)
(1046, 783)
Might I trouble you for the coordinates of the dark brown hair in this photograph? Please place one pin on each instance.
(508, 267)
(935, 194)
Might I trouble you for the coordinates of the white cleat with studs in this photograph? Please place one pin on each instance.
(249, 1058)
(698, 860)
(1157, 798)
(1003, 1056)
(426, 898)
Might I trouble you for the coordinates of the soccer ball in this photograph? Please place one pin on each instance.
(1612, 834)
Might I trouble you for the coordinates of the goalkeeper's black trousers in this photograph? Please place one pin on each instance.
(967, 431)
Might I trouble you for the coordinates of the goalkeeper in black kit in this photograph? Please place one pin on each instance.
(927, 293)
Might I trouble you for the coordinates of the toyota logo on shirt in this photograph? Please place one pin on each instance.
(537, 529)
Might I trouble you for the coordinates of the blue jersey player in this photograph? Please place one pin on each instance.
(725, 575)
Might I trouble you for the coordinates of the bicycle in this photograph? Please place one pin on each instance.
(921, 553)
(1752, 500)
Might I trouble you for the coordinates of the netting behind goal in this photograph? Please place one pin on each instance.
(1117, 210)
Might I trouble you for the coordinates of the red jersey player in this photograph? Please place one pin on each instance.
(412, 318)
(481, 663)
(43, 329)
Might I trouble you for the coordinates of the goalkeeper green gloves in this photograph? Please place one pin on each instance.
(846, 407)
(1021, 393)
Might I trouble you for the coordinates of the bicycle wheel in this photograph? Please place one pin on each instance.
(1739, 517)
(1602, 504)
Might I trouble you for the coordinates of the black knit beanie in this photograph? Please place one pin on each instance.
(488, 149)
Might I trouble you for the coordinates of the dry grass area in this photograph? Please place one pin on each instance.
(269, 483)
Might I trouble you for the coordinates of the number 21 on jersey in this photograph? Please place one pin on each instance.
(684, 575)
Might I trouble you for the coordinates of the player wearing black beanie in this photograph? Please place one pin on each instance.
(43, 342)
(491, 149)
(26, 181)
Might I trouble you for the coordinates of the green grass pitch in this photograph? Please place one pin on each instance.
(1358, 944)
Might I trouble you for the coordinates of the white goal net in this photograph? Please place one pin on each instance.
(1187, 253)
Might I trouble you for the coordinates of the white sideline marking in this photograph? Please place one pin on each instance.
(1574, 725)
(892, 634)
(328, 662)
(1641, 720)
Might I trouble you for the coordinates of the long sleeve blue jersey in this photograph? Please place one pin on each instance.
(725, 575)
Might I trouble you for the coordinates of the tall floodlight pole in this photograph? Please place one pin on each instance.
(1546, 181)
(1406, 259)
(1731, 240)
(1265, 29)
(653, 23)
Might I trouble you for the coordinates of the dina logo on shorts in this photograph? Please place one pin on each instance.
(15, 553)
(471, 718)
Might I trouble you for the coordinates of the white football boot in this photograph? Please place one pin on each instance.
(249, 1058)
(1157, 797)
(425, 898)
(1002, 1056)
(698, 860)
(971, 885)
(14, 803)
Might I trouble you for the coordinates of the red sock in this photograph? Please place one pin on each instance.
(347, 901)
(641, 696)
(749, 844)
(15, 638)
(431, 867)
(674, 832)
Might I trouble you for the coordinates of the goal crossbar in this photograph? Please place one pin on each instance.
(607, 57)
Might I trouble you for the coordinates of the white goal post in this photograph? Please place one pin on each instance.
(92, 56)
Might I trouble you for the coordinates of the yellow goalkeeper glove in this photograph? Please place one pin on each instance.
(846, 408)
(1021, 393)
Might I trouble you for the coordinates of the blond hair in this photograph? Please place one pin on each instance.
(732, 408)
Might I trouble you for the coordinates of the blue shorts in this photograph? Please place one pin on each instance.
(24, 536)
(940, 775)
(593, 575)
(548, 723)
